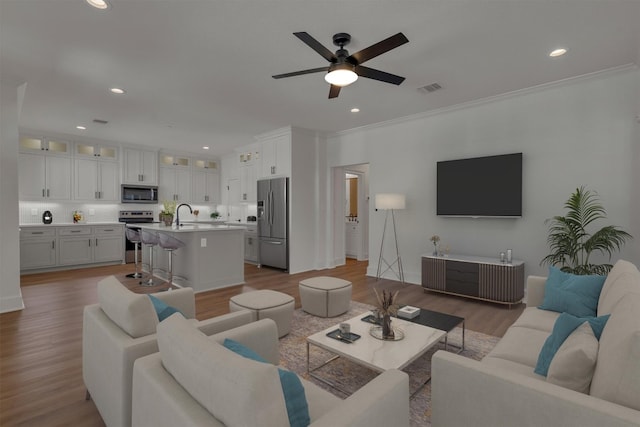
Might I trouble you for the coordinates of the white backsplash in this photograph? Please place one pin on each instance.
(63, 212)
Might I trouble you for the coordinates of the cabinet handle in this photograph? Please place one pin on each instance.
(75, 231)
(53, 244)
(96, 242)
(89, 242)
(47, 192)
(273, 170)
(108, 229)
(99, 194)
(37, 232)
(43, 192)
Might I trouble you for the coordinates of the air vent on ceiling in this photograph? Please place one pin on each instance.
(430, 88)
(102, 122)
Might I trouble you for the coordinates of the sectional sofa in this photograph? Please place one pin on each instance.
(589, 382)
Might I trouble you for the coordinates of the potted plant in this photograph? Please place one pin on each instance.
(167, 212)
(214, 215)
(571, 243)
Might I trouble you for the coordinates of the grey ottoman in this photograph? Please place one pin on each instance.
(325, 296)
(266, 304)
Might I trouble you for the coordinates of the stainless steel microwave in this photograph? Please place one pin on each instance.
(139, 193)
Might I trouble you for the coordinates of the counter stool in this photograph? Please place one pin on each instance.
(325, 296)
(170, 244)
(134, 237)
(150, 239)
(266, 304)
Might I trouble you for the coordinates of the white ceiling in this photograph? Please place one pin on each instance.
(198, 72)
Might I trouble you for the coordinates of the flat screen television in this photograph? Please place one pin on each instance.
(480, 187)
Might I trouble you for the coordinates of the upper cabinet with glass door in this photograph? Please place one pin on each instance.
(104, 152)
(30, 144)
(170, 160)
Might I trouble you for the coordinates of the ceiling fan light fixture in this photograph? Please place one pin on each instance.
(341, 75)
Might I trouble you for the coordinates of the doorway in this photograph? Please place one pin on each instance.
(351, 213)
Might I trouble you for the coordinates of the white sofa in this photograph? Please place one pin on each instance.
(503, 390)
(120, 329)
(195, 381)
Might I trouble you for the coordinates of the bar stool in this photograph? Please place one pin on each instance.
(150, 239)
(170, 244)
(134, 237)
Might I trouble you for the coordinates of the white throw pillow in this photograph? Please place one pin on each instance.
(133, 313)
(617, 374)
(235, 390)
(573, 364)
(624, 277)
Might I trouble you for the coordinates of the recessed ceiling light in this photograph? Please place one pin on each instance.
(205, 148)
(117, 90)
(558, 52)
(99, 4)
(81, 127)
(355, 110)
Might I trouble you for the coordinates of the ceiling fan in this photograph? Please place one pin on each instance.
(344, 68)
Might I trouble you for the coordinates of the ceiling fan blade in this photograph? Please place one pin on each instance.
(334, 91)
(316, 45)
(299, 73)
(370, 73)
(379, 48)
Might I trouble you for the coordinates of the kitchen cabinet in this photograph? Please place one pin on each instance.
(169, 160)
(57, 247)
(108, 243)
(174, 184)
(139, 166)
(251, 244)
(96, 180)
(37, 248)
(75, 245)
(249, 164)
(31, 144)
(44, 177)
(276, 155)
(94, 150)
(205, 187)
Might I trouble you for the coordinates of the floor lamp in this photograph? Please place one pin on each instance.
(390, 202)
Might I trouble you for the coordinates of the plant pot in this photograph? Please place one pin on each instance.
(167, 219)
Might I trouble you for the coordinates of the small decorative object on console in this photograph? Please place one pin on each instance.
(435, 239)
(78, 217)
(408, 312)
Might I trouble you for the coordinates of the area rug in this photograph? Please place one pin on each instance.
(349, 376)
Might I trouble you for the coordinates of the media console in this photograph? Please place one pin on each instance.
(481, 278)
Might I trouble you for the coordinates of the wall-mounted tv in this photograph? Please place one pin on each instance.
(481, 187)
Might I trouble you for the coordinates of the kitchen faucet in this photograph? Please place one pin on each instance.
(178, 212)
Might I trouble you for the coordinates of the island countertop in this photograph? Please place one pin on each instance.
(186, 228)
(212, 255)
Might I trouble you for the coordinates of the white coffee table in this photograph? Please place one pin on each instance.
(376, 354)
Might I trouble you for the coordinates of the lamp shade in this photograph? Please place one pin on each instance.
(341, 75)
(390, 201)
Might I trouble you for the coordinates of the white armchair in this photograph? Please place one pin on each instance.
(120, 329)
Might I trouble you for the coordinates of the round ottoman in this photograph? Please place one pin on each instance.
(325, 296)
(266, 304)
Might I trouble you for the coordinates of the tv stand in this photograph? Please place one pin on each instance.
(480, 278)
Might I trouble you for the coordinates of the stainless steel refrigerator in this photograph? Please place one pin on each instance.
(273, 223)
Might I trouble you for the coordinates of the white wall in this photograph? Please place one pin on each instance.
(10, 295)
(580, 132)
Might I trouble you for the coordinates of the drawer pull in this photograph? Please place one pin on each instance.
(76, 231)
(37, 232)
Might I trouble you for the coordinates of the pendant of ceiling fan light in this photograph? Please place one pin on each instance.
(341, 75)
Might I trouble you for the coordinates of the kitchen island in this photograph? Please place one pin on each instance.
(212, 258)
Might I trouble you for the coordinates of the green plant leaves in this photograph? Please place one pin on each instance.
(571, 243)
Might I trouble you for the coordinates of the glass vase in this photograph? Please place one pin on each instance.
(387, 330)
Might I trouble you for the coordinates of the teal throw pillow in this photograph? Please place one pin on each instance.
(564, 326)
(294, 397)
(163, 310)
(573, 294)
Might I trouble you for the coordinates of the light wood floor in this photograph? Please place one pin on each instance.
(41, 346)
